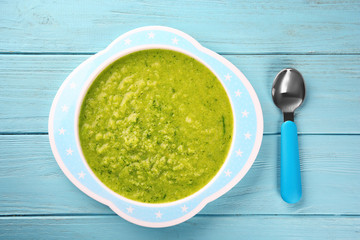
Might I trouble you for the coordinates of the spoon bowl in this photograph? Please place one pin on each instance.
(288, 91)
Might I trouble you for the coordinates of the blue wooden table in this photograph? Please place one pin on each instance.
(41, 42)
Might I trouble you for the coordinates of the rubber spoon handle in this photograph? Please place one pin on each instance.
(290, 165)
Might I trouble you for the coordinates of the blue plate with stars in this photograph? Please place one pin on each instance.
(248, 127)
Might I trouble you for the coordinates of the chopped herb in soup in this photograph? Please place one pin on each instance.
(156, 126)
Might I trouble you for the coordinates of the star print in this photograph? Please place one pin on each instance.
(175, 40)
(65, 108)
(238, 93)
(247, 135)
(245, 113)
(184, 208)
(158, 214)
(72, 85)
(62, 131)
(81, 174)
(228, 173)
(69, 151)
(151, 35)
(228, 77)
(239, 153)
(130, 209)
(127, 41)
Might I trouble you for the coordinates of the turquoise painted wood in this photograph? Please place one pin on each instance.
(298, 26)
(29, 83)
(41, 42)
(199, 227)
(328, 169)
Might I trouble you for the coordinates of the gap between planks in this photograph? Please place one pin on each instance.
(220, 53)
(265, 134)
(66, 215)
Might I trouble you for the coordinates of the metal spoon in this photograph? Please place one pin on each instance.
(288, 93)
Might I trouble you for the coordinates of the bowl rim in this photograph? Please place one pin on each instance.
(90, 80)
(208, 198)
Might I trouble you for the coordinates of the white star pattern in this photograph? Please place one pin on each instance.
(239, 153)
(247, 135)
(238, 93)
(130, 209)
(151, 35)
(127, 41)
(62, 131)
(228, 77)
(228, 173)
(69, 151)
(72, 85)
(184, 208)
(81, 174)
(175, 40)
(245, 113)
(64, 108)
(158, 214)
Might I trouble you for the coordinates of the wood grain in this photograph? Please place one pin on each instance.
(313, 26)
(41, 42)
(199, 227)
(29, 83)
(32, 183)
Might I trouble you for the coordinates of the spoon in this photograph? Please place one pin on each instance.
(288, 93)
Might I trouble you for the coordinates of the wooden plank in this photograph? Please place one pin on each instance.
(29, 83)
(224, 26)
(32, 183)
(199, 227)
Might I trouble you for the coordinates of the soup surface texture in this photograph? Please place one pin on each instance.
(155, 126)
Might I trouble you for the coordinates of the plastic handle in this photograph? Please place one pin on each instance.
(290, 165)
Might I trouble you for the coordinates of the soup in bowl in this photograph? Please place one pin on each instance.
(155, 125)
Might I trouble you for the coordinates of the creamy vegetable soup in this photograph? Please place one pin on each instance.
(156, 126)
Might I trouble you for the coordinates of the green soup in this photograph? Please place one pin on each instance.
(156, 126)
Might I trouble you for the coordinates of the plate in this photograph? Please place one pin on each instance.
(248, 128)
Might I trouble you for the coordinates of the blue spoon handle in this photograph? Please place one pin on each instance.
(290, 164)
